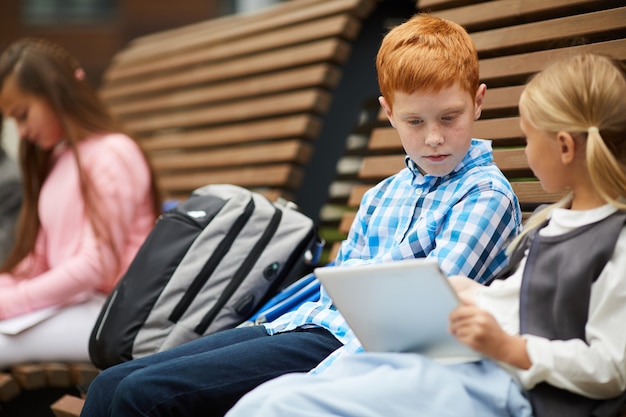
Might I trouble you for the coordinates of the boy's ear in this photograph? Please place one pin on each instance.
(567, 147)
(385, 106)
(479, 99)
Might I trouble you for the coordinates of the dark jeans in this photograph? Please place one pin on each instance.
(207, 376)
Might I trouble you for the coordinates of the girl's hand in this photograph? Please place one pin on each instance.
(479, 330)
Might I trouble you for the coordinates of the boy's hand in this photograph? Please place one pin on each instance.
(479, 330)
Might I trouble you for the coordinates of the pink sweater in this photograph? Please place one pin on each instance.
(67, 264)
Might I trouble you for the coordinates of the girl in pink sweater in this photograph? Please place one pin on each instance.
(89, 201)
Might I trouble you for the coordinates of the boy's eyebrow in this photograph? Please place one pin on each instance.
(450, 109)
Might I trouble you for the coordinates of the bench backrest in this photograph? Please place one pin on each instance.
(238, 99)
(514, 38)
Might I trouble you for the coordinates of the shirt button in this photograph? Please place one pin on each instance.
(418, 192)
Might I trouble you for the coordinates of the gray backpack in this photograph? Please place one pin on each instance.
(206, 266)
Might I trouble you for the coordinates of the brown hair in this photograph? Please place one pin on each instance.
(426, 53)
(46, 70)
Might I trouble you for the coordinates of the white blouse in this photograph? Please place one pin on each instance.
(597, 370)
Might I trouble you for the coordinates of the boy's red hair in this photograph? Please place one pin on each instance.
(426, 53)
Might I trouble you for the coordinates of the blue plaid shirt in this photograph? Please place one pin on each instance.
(463, 219)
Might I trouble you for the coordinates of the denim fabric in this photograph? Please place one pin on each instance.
(207, 376)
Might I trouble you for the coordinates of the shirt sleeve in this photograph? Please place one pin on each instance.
(69, 263)
(597, 369)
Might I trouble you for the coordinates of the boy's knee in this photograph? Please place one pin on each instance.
(134, 383)
(115, 381)
(103, 381)
(132, 392)
(108, 377)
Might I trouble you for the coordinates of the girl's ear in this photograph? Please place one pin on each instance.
(567, 147)
(385, 106)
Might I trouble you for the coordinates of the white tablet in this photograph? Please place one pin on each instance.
(401, 306)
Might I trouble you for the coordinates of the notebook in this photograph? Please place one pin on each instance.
(401, 306)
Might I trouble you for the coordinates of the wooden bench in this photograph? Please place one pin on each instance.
(222, 109)
(514, 38)
(24, 384)
(249, 99)
(239, 99)
(242, 99)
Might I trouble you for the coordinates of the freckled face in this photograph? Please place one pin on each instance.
(543, 156)
(35, 118)
(435, 128)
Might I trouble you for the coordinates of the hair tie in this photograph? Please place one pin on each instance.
(79, 73)
(593, 129)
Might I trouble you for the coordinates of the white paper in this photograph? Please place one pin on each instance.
(16, 325)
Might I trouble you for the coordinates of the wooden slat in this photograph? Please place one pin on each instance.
(329, 50)
(228, 28)
(427, 5)
(334, 250)
(508, 12)
(9, 387)
(271, 194)
(379, 167)
(357, 194)
(283, 151)
(281, 175)
(512, 160)
(346, 221)
(292, 12)
(29, 376)
(502, 98)
(343, 26)
(57, 374)
(301, 126)
(318, 75)
(531, 192)
(529, 63)
(498, 129)
(83, 372)
(67, 406)
(550, 30)
(385, 138)
(316, 101)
